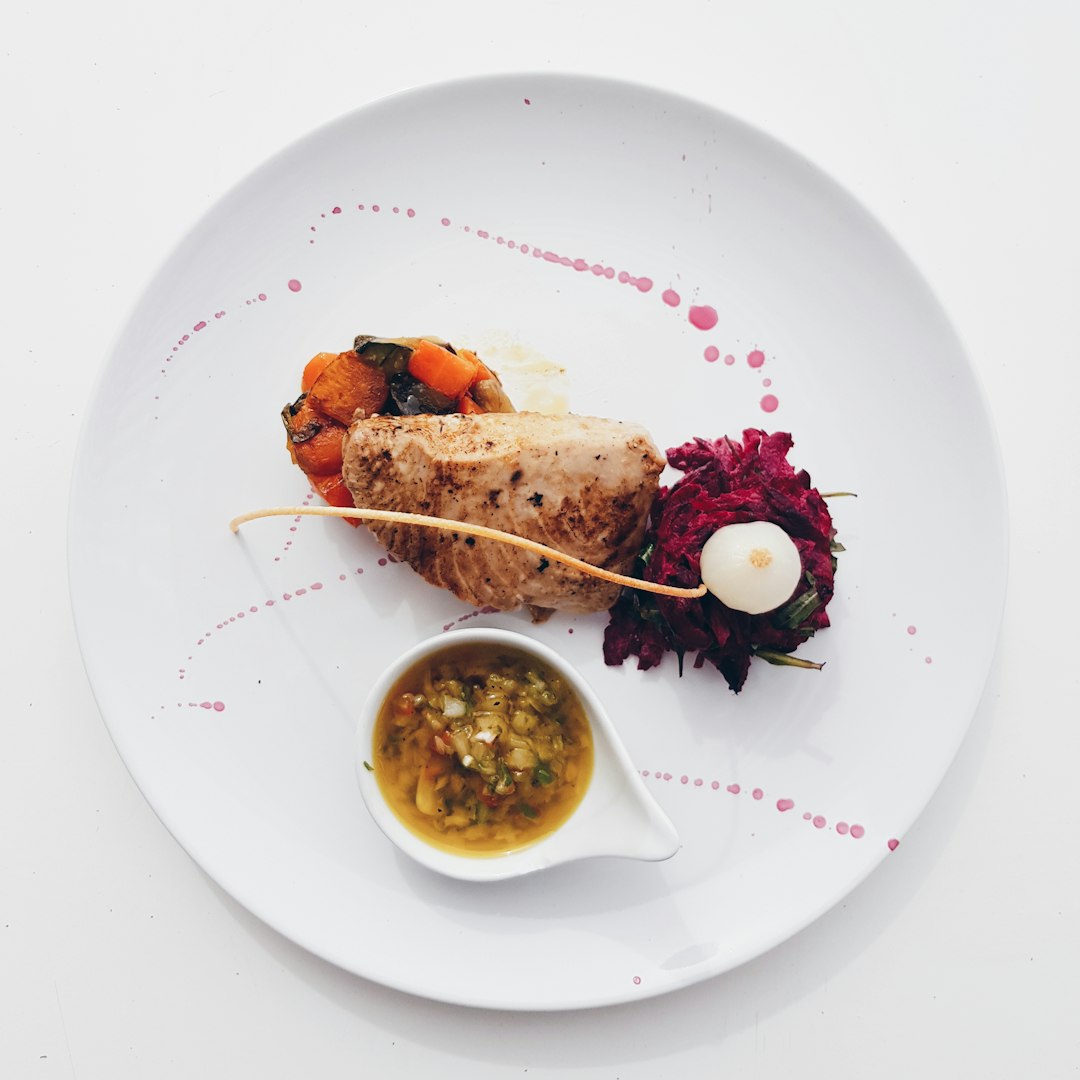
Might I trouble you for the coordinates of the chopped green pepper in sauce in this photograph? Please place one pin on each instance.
(482, 750)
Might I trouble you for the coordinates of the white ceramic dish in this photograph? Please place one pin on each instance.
(603, 226)
(617, 816)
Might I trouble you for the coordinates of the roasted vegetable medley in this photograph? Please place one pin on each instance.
(400, 376)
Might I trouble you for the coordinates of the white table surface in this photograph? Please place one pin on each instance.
(955, 123)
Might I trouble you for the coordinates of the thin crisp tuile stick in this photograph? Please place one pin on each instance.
(469, 529)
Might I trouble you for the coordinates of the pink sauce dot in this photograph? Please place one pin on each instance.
(294, 285)
(644, 772)
(858, 832)
(734, 789)
(644, 284)
(375, 208)
(397, 209)
(524, 249)
(445, 221)
(703, 317)
(756, 358)
(316, 585)
(842, 828)
(819, 822)
(729, 360)
(698, 782)
(783, 805)
(262, 296)
(712, 354)
(766, 383)
(359, 206)
(410, 212)
(929, 660)
(528, 102)
(806, 816)
(382, 562)
(219, 706)
(911, 629)
(715, 785)
(624, 277)
(894, 844)
(336, 210)
(671, 298)
(758, 793)
(637, 978)
(198, 326)
(667, 776)
(769, 403)
(684, 779)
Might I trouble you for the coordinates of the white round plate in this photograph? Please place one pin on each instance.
(686, 272)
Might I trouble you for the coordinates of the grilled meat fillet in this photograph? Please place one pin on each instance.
(579, 484)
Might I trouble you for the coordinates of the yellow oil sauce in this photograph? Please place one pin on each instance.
(482, 749)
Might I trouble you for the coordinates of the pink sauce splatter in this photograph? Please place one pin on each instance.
(294, 285)
(769, 403)
(712, 354)
(528, 102)
(734, 789)
(703, 317)
(894, 844)
(783, 805)
(199, 326)
(671, 298)
(336, 210)
(756, 358)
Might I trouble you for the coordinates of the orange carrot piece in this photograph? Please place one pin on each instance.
(482, 370)
(469, 407)
(442, 370)
(314, 368)
(333, 490)
(321, 454)
(346, 384)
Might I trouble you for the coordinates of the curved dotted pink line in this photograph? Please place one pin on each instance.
(783, 804)
(701, 316)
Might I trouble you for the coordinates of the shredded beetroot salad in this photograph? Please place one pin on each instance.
(725, 483)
